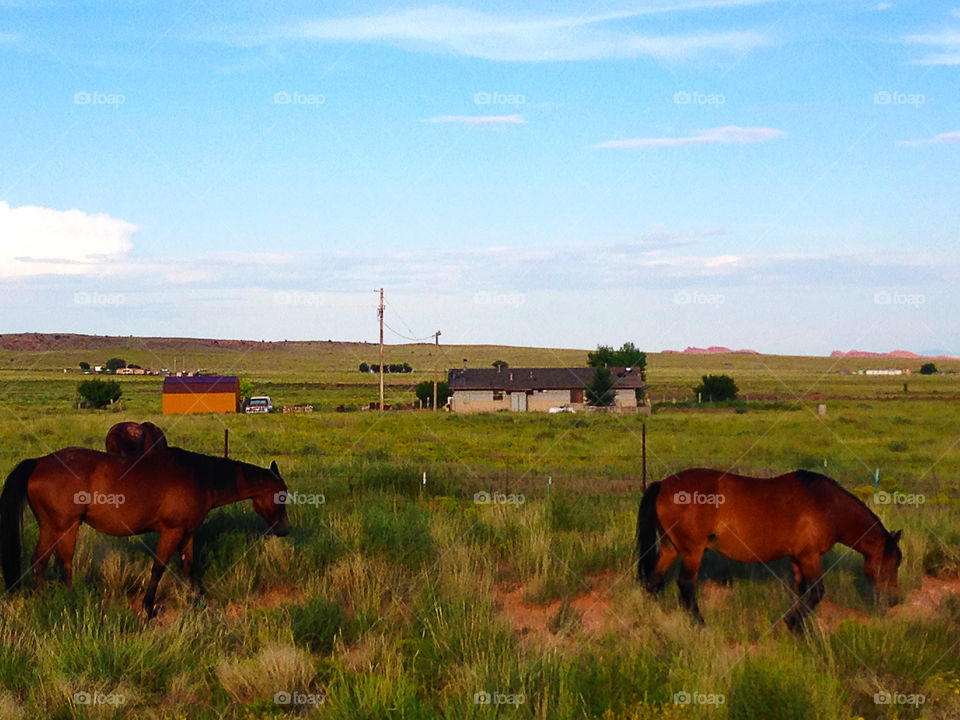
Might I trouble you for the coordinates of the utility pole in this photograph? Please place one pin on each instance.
(436, 340)
(380, 314)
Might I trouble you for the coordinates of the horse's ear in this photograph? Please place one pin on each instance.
(274, 469)
(895, 536)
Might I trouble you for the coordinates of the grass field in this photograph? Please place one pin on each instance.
(396, 599)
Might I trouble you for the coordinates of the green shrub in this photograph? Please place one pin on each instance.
(98, 393)
(316, 624)
(764, 689)
(402, 536)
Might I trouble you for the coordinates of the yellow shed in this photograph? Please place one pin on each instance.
(201, 394)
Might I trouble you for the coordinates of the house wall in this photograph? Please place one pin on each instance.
(625, 400)
(543, 400)
(466, 401)
(191, 403)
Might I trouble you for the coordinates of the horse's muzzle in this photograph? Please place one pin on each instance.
(280, 529)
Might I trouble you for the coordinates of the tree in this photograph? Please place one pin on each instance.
(627, 356)
(601, 392)
(928, 369)
(246, 389)
(716, 388)
(500, 364)
(98, 393)
(364, 367)
(424, 392)
(84, 365)
(114, 364)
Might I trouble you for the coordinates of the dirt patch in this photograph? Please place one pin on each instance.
(929, 598)
(538, 623)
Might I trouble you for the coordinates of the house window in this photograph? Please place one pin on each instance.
(576, 396)
(498, 394)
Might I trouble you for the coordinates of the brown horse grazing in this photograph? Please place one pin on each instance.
(800, 515)
(167, 492)
(132, 439)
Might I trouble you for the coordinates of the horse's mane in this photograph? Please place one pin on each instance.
(809, 477)
(215, 471)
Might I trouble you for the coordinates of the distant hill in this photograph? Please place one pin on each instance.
(712, 350)
(892, 355)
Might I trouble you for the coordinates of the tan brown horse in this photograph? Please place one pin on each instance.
(132, 439)
(800, 515)
(167, 492)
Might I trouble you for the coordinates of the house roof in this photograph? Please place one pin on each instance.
(202, 384)
(522, 379)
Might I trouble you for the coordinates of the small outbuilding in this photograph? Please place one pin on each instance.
(201, 394)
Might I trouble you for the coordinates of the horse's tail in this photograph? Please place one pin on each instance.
(11, 520)
(647, 532)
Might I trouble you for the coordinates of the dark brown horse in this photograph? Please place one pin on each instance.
(167, 492)
(800, 515)
(132, 439)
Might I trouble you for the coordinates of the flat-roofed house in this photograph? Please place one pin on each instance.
(201, 394)
(536, 389)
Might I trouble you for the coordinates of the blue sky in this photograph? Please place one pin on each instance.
(773, 175)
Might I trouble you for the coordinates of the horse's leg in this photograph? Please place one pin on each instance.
(186, 563)
(41, 555)
(166, 544)
(687, 582)
(807, 572)
(668, 553)
(66, 546)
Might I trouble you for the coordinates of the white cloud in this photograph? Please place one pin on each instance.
(528, 38)
(478, 119)
(729, 134)
(883, 6)
(944, 138)
(42, 241)
(946, 44)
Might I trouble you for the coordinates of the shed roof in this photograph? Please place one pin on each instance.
(202, 384)
(522, 379)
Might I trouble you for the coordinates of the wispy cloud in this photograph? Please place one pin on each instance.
(945, 138)
(488, 120)
(944, 45)
(43, 241)
(729, 134)
(528, 38)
